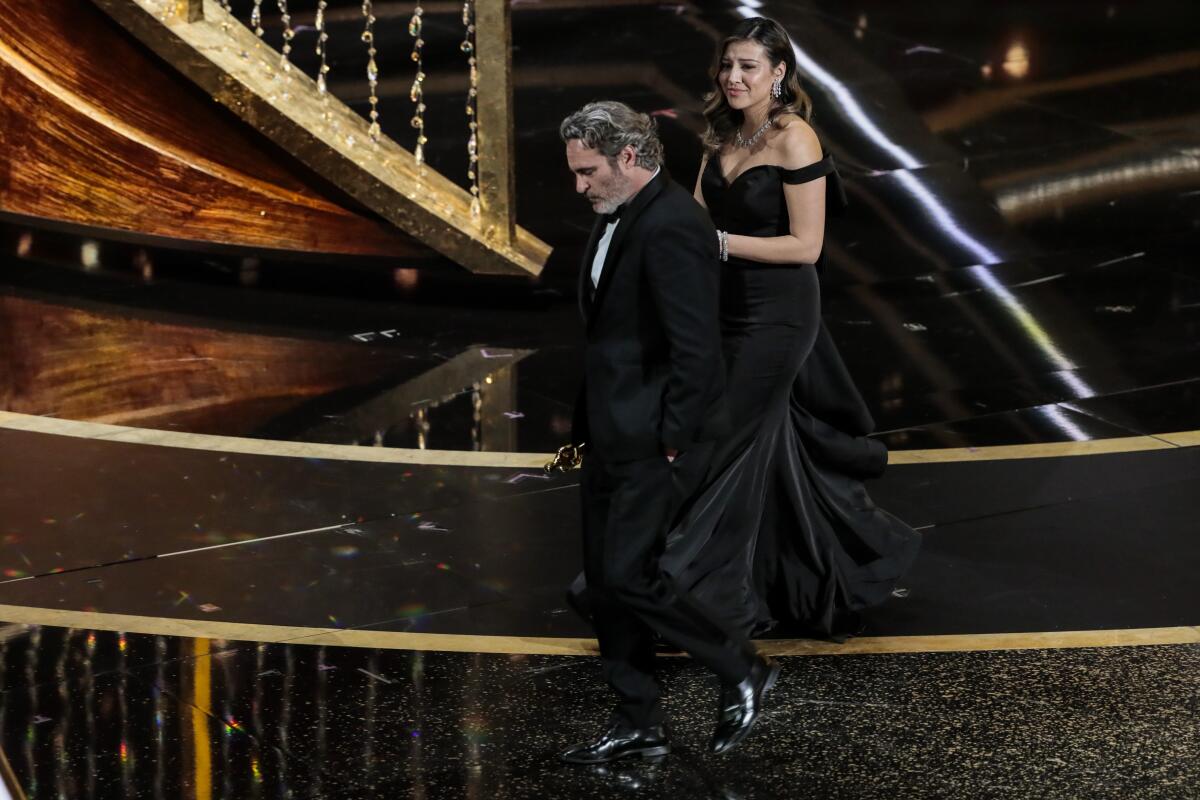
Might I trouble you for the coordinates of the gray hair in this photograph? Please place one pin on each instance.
(610, 127)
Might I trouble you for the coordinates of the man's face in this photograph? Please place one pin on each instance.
(601, 181)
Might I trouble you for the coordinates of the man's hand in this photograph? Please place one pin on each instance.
(671, 453)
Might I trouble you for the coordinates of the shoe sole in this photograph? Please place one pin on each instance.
(646, 754)
(772, 676)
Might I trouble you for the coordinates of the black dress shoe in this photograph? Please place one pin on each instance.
(621, 742)
(741, 704)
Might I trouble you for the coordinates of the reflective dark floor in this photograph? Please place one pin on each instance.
(1019, 266)
(1097, 542)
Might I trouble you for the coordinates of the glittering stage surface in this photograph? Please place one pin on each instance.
(90, 714)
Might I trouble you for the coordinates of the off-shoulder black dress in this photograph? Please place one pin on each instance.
(785, 533)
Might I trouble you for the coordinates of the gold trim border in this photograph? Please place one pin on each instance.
(563, 646)
(504, 460)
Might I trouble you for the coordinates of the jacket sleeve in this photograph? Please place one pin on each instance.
(682, 270)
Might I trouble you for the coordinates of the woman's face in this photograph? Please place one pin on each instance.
(746, 74)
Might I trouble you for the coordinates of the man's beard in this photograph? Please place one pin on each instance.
(618, 195)
(608, 206)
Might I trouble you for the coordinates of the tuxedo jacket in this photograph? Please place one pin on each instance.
(653, 374)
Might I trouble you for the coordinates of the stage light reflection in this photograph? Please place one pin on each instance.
(1016, 61)
(1032, 197)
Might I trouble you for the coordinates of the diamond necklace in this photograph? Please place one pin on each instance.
(740, 142)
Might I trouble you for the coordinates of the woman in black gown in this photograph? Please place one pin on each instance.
(785, 533)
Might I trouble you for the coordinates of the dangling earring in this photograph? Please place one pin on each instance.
(777, 88)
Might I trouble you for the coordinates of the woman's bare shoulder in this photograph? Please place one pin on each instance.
(797, 143)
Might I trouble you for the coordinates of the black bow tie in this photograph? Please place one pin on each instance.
(615, 216)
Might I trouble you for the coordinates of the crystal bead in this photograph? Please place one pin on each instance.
(416, 122)
(466, 47)
(372, 71)
(350, 140)
(419, 154)
(472, 145)
(374, 131)
(414, 25)
(321, 83)
(476, 208)
(471, 175)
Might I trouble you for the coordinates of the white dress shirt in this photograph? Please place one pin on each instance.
(606, 240)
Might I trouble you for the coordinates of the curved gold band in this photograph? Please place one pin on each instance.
(544, 645)
(502, 460)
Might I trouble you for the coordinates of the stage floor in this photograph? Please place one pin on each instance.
(275, 528)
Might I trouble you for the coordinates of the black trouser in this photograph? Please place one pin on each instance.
(627, 509)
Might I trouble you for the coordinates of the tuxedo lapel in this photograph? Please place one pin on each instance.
(628, 221)
(585, 271)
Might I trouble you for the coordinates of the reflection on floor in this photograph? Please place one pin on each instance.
(1018, 268)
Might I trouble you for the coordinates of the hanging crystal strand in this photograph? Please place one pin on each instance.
(322, 45)
(372, 69)
(256, 18)
(288, 34)
(417, 93)
(468, 47)
(226, 26)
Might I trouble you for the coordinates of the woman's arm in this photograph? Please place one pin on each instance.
(698, 193)
(798, 146)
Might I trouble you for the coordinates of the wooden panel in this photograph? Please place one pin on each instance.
(98, 131)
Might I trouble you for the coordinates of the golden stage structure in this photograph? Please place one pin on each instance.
(99, 108)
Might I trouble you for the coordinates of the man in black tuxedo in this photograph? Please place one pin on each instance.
(650, 408)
